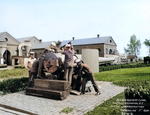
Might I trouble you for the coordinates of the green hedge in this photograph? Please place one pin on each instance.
(112, 67)
(13, 85)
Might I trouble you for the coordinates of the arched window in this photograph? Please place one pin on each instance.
(99, 50)
(110, 51)
(23, 48)
(6, 39)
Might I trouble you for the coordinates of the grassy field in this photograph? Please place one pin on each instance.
(13, 73)
(121, 77)
(124, 77)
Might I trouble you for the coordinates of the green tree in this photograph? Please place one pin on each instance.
(133, 47)
(147, 43)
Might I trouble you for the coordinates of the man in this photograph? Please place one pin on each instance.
(68, 63)
(51, 49)
(30, 61)
(86, 73)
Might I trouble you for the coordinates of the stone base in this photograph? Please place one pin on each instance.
(52, 94)
(54, 89)
(51, 84)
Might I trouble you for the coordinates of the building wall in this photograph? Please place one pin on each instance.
(12, 49)
(109, 49)
(37, 52)
(100, 48)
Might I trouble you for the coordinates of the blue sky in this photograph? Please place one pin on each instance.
(63, 19)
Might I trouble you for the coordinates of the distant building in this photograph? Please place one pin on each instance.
(132, 58)
(8, 48)
(13, 51)
(105, 45)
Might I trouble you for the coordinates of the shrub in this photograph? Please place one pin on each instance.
(112, 67)
(140, 93)
(138, 90)
(13, 85)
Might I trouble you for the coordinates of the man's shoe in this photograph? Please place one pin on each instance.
(82, 93)
(98, 93)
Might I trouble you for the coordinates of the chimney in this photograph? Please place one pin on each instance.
(98, 35)
(40, 40)
(73, 38)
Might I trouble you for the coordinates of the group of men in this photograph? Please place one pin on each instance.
(83, 70)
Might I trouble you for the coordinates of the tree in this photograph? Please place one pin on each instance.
(133, 47)
(147, 43)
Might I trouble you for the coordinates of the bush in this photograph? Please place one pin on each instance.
(112, 67)
(138, 90)
(140, 93)
(13, 85)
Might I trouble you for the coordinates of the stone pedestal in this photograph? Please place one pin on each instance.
(54, 89)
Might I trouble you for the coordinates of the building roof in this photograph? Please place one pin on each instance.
(87, 41)
(25, 39)
(3, 34)
(41, 45)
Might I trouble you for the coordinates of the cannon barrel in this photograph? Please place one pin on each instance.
(51, 63)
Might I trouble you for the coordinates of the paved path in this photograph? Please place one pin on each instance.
(43, 106)
(4, 111)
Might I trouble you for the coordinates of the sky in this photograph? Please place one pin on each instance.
(52, 20)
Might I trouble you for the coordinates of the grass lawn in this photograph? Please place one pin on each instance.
(13, 73)
(121, 77)
(124, 77)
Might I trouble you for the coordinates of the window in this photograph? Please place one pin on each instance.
(110, 51)
(77, 51)
(6, 39)
(23, 48)
(110, 41)
(99, 50)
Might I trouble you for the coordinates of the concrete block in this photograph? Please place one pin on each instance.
(90, 57)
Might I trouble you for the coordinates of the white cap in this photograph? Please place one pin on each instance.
(68, 45)
(53, 44)
(77, 60)
(31, 53)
